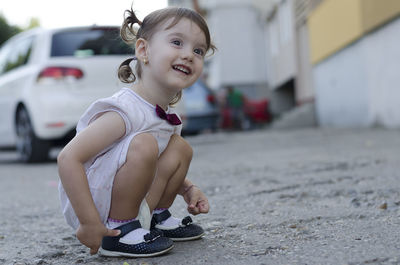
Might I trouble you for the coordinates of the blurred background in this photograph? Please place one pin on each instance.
(331, 63)
(279, 63)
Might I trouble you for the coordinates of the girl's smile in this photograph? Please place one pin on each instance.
(182, 68)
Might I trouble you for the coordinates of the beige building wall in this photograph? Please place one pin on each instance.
(332, 26)
(335, 24)
(355, 56)
(375, 13)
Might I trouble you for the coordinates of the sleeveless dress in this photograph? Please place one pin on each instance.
(139, 117)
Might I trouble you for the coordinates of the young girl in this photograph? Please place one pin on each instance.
(127, 163)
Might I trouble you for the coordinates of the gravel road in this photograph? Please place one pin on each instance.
(311, 196)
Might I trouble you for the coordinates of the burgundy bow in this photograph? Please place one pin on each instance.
(171, 118)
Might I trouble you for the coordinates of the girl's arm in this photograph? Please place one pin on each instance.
(101, 133)
(194, 197)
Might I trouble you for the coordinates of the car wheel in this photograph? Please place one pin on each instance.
(29, 147)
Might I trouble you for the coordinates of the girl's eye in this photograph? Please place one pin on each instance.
(199, 51)
(176, 42)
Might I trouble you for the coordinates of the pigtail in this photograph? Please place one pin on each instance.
(128, 31)
(125, 72)
(129, 35)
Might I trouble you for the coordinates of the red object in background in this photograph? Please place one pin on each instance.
(61, 72)
(226, 121)
(257, 110)
(211, 98)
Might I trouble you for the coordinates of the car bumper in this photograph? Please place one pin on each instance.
(54, 115)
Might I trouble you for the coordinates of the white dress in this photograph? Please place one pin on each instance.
(139, 117)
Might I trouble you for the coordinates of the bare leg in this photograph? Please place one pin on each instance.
(134, 178)
(172, 168)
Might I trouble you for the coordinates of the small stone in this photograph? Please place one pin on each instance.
(250, 226)
(214, 224)
(259, 252)
(383, 206)
(356, 202)
(40, 262)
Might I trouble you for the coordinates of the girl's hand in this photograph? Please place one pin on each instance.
(196, 200)
(92, 235)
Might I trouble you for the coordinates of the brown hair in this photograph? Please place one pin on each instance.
(146, 30)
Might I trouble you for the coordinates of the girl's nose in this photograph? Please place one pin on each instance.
(187, 54)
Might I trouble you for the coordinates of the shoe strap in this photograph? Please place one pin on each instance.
(187, 221)
(127, 228)
(161, 216)
(153, 235)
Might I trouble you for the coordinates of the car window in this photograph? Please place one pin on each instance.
(16, 56)
(88, 42)
(5, 49)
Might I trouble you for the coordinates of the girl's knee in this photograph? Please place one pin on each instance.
(182, 146)
(144, 147)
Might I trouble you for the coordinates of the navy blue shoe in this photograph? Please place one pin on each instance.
(153, 244)
(185, 231)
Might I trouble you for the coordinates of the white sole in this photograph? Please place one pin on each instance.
(109, 253)
(186, 238)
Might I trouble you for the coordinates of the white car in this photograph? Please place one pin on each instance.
(47, 80)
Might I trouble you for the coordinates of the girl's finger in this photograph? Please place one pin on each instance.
(111, 232)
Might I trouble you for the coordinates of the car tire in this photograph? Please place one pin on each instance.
(29, 147)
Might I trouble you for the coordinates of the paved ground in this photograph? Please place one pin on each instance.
(278, 197)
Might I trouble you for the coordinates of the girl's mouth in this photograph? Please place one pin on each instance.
(182, 68)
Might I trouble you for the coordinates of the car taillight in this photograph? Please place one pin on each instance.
(211, 98)
(60, 73)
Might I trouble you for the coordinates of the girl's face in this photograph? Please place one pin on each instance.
(176, 55)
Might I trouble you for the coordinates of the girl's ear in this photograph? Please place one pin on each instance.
(141, 49)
